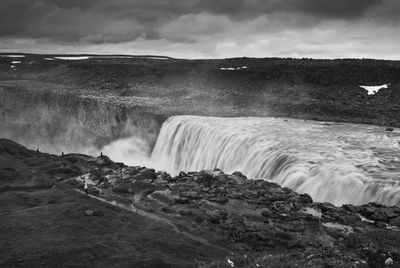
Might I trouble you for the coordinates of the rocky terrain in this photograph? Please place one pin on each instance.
(83, 104)
(134, 216)
(301, 88)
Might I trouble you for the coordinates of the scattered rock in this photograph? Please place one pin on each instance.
(305, 199)
(93, 190)
(93, 213)
(143, 188)
(182, 200)
(389, 261)
(123, 188)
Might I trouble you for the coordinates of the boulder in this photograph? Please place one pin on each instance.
(93, 190)
(205, 178)
(266, 213)
(395, 221)
(238, 177)
(145, 175)
(368, 210)
(93, 213)
(182, 200)
(192, 195)
(216, 216)
(124, 188)
(144, 188)
(305, 199)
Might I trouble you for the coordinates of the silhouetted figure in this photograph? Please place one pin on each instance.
(37, 150)
(101, 154)
(62, 153)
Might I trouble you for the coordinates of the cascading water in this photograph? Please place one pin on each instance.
(338, 163)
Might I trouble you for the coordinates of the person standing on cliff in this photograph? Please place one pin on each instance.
(86, 188)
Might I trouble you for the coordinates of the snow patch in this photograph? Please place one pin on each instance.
(233, 68)
(13, 56)
(104, 57)
(156, 58)
(72, 58)
(372, 90)
(111, 57)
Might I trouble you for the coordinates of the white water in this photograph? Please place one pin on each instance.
(338, 163)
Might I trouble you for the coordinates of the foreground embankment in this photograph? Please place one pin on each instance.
(137, 216)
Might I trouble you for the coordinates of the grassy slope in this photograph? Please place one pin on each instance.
(45, 226)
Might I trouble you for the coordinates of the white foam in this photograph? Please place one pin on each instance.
(372, 90)
(48, 59)
(12, 66)
(72, 58)
(16, 62)
(340, 164)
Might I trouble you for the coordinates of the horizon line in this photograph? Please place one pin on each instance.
(174, 58)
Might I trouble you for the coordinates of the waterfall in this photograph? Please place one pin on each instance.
(337, 163)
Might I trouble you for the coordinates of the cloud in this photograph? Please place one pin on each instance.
(345, 9)
(198, 24)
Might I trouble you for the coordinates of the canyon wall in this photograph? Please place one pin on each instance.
(61, 122)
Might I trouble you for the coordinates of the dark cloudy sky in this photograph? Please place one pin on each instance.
(204, 28)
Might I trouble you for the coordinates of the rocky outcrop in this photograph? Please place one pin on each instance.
(259, 216)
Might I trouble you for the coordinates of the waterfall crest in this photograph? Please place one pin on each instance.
(337, 163)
